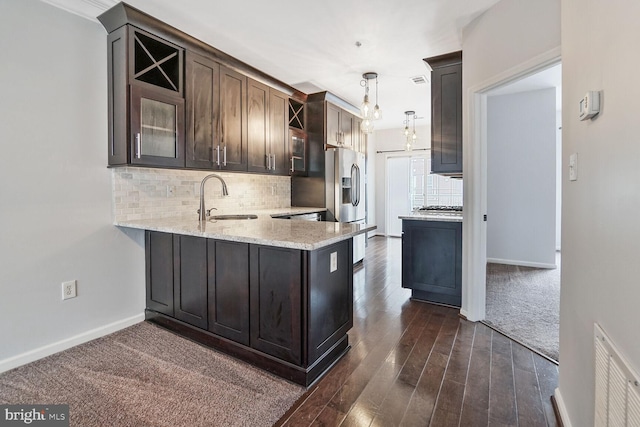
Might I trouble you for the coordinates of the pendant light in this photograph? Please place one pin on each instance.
(368, 113)
(410, 136)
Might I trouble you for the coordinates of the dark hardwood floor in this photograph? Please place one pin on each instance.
(418, 364)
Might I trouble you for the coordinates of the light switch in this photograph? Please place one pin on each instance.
(573, 167)
(334, 262)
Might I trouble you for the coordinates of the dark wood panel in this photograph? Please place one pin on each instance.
(228, 279)
(118, 97)
(432, 260)
(330, 310)
(233, 119)
(190, 280)
(258, 126)
(279, 132)
(202, 110)
(159, 271)
(446, 113)
(275, 294)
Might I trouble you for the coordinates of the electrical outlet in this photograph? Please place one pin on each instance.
(69, 289)
(334, 262)
(273, 190)
(171, 190)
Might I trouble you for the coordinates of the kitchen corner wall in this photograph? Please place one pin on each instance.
(148, 193)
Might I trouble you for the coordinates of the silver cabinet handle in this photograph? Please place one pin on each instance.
(293, 167)
(138, 146)
(273, 164)
(224, 157)
(268, 156)
(218, 159)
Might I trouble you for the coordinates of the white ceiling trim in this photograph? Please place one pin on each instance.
(88, 9)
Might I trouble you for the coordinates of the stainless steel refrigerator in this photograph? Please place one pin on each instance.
(338, 184)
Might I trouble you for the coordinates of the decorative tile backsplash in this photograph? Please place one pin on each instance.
(147, 193)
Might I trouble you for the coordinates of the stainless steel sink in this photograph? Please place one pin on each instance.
(236, 216)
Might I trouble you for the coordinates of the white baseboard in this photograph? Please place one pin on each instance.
(564, 415)
(49, 349)
(521, 263)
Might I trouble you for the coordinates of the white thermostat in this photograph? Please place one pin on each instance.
(589, 105)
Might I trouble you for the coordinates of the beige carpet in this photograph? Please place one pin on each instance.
(524, 303)
(146, 376)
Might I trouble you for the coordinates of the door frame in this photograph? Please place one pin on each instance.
(474, 148)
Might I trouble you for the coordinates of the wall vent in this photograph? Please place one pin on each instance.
(617, 386)
(419, 80)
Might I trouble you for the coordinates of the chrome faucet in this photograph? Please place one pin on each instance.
(202, 212)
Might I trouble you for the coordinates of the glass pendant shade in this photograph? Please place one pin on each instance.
(377, 113)
(365, 108)
(367, 125)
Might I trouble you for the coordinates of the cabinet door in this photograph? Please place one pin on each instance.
(298, 152)
(279, 132)
(159, 271)
(157, 128)
(333, 125)
(276, 276)
(346, 129)
(259, 159)
(446, 113)
(202, 109)
(190, 279)
(228, 264)
(233, 120)
(432, 260)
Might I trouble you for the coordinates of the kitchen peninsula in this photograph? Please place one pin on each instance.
(277, 293)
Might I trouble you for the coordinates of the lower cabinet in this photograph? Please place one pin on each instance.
(432, 260)
(228, 300)
(284, 310)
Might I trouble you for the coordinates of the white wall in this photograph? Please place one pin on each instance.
(499, 43)
(521, 178)
(55, 219)
(391, 140)
(600, 227)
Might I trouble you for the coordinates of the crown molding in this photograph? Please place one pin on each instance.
(88, 9)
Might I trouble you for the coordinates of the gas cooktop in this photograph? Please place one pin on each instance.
(441, 208)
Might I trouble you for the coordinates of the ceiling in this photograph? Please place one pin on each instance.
(547, 78)
(312, 45)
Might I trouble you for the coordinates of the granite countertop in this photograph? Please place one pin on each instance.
(433, 216)
(265, 230)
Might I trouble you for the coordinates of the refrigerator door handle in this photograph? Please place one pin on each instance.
(357, 185)
(354, 177)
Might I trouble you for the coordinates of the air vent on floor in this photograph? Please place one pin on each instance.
(419, 80)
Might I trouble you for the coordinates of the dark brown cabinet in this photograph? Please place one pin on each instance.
(275, 302)
(267, 129)
(285, 310)
(446, 114)
(146, 103)
(202, 111)
(432, 260)
(298, 152)
(228, 300)
(190, 280)
(233, 120)
(333, 122)
(159, 272)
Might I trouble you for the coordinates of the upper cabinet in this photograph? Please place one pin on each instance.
(268, 138)
(333, 122)
(146, 127)
(175, 101)
(446, 114)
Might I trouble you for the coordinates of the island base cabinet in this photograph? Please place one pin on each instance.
(276, 275)
(330, 302)
(228, 266)
(284, 310)
(432, 260)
